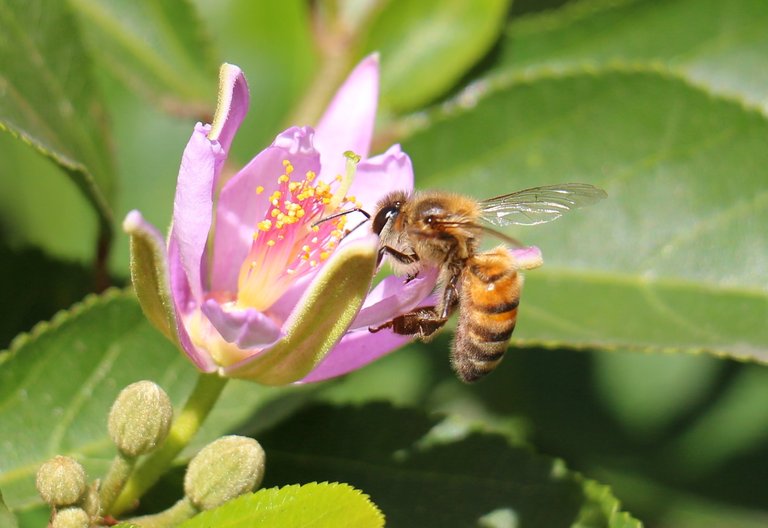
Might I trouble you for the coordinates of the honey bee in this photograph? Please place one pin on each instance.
(444, 230)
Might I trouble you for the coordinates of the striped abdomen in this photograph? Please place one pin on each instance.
(490, 293)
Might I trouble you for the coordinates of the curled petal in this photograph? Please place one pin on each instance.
(380, 175)
(247, 328)
(348, 122)
(231, 107)
(193, 204)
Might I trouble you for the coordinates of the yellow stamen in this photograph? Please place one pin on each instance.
(259, 189)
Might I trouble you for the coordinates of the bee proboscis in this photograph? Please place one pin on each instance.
(444, 230)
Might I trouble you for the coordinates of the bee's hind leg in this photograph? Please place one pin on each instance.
(420, 322)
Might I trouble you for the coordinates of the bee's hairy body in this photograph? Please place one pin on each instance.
(439, 229)
(443, 230)
(490, 294)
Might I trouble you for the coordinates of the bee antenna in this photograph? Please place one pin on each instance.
(342, 213)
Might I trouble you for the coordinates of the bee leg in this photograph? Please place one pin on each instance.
(410, 277)
(403, 258)
(450, 296)
(421, 322)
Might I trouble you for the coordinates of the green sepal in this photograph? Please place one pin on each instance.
(149, 274)
(324, 313)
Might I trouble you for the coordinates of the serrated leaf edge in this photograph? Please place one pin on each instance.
(61, 317)
(475, 93)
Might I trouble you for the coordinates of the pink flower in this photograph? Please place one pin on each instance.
(248, 285)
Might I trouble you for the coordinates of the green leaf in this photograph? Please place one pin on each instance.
(420, 478)
(49, 100)
(695, 461)
(7, 519)
(160, 49)
(674, 258)
(58, 383)
(720, 45)
(319, 505)
(427, 45)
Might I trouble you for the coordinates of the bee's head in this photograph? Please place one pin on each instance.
(387, 210)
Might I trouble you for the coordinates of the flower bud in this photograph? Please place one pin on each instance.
(140, 418)
(223, 470)
(71, 518)
(61, 481)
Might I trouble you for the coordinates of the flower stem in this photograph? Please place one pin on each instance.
(205, 394)
(117, 475)
(176, 514)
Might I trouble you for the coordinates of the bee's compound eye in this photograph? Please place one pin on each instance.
(384, 215)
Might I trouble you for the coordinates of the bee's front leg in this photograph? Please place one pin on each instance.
(399, 256)
(421, 322)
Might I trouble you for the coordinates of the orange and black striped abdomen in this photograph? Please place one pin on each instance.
(490, 293)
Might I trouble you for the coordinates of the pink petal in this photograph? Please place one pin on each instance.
(392, 297)
(193, 204)
(527, 258)
(182, 305)
(348, 121)
(240, 208)
(232, 105)
(247, 328)
(356, 349)
(378, 176)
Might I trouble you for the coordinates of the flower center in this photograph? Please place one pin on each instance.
(286, 245)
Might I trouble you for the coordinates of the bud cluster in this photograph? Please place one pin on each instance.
(138, 424)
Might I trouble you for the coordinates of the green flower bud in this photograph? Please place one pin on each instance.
(71, 518)
(140, 418)
(223, 470)
(61, 481)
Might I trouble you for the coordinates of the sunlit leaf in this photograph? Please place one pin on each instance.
(720, 45)
(674, 258)
(321, 505)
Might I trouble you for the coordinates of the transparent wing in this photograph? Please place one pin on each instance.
(539, 205)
